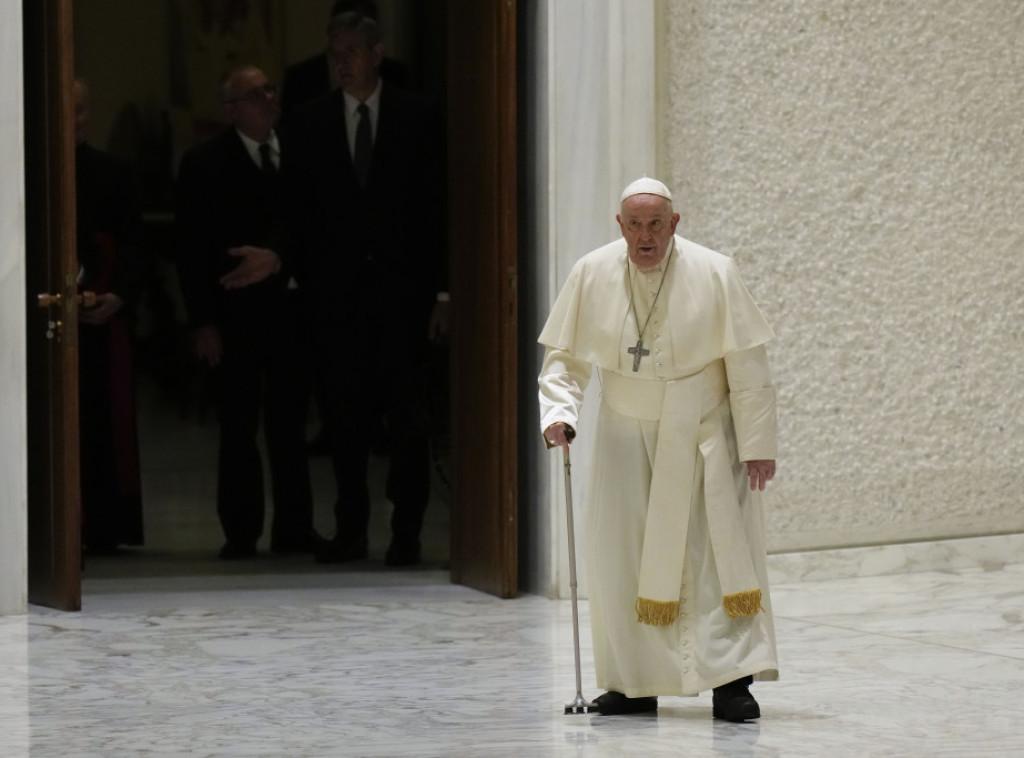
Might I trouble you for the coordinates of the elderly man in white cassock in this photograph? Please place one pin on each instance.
(684, 443)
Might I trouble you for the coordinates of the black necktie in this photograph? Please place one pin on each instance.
(266, 164)
(364, 145)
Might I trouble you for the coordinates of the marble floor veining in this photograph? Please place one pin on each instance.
(374, 663)
(178, 654)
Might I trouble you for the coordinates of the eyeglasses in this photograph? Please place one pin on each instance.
(255, 94)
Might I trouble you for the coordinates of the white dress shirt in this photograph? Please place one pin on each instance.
(352, 116)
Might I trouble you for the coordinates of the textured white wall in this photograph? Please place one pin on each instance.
(864, 163)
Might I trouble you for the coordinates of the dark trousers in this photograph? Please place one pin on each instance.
(366, 373)
(263, 369)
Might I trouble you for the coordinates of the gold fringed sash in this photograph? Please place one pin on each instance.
(668, 505)
(682, 437)
(741, 595)
(656, 612)
(743, 604)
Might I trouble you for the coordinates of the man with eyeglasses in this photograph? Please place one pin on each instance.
(227, 194)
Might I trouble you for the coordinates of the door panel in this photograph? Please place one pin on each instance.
(481, 85)
(54, 550)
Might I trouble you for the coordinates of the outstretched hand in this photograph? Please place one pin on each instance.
(106, 305)
(257, 264)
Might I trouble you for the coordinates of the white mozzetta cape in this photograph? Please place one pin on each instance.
(712, 312)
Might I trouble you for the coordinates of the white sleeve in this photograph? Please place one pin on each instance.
(562, 381)
(752, 400)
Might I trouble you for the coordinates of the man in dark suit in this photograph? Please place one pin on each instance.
(227, 194)
(365, 234)
(307, 80)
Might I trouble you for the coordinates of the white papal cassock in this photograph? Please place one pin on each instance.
(671, 515)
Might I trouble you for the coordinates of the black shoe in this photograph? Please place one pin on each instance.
(308, 543)
(733, 701)
(236, 551)
(614, 703)
(341, 551)
(403, 553)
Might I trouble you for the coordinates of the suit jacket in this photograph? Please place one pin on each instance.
(222, 200)
(362, 254)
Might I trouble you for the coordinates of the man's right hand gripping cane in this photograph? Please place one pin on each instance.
(559, 434)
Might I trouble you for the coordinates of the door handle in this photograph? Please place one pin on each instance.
(47, 300)
(85, 299)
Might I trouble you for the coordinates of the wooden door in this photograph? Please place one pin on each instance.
(481, 93)
(54, 549)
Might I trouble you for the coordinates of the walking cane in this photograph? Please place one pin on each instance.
(580, 704)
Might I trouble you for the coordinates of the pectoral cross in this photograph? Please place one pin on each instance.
(637, 352)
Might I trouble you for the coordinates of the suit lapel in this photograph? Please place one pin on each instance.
(388, 127)
(240, 156)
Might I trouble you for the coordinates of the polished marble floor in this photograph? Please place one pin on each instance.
(178, 654)
(375, 663)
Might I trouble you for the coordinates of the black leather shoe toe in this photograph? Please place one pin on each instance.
(614, 703)
(733, 702)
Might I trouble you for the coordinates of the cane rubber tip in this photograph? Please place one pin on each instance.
(574, 709)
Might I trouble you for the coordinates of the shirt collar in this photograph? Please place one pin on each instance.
(372, 102)
(254, 147)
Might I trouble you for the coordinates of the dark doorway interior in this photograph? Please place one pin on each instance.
(466, 54)
(176, 418)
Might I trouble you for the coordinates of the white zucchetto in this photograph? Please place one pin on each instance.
(646, 186)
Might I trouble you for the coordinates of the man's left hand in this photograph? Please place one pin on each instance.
(760, 472)
(257, 264)
(107, 304)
